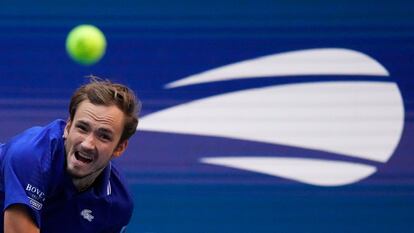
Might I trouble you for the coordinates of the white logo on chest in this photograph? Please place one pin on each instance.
(87, 214)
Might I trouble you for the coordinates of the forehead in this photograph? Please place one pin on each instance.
(100, 115)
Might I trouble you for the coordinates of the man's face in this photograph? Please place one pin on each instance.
(92, 138)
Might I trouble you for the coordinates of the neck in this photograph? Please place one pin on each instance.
(82, 184)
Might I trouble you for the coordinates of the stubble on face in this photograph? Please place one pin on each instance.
(91, 140)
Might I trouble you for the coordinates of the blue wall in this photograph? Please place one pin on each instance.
(152, 43)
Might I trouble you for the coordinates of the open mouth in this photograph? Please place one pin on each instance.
(82, 157)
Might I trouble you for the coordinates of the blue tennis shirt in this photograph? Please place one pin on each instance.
(33, 173)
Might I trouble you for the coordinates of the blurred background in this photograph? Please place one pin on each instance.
(299, 117)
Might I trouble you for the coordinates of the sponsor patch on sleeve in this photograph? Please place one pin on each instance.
(36, 196)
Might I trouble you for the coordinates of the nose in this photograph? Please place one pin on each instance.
(88, 142)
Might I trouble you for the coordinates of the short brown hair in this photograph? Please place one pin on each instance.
(105, 92)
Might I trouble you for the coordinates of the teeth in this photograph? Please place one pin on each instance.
(84, 156)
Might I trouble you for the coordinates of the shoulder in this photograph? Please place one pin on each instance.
(37, 136)
(35, 145)
(26, 164)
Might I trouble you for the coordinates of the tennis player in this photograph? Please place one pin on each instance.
(60, 178)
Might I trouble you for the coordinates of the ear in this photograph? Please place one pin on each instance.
(67, 127)
(120, 148)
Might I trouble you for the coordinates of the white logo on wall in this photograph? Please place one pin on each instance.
(87, 214)
(360, 119)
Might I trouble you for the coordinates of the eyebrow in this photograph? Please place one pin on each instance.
(104, 130)
(82, 122)
(100, 130)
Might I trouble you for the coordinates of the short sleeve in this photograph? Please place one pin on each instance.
(26, 176)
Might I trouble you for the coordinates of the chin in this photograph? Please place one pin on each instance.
(73, 173)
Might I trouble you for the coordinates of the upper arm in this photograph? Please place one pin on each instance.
(18, 220)
(25, 181)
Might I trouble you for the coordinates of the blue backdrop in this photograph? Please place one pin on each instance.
(153, 43)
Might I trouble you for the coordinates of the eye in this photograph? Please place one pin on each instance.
(82, 128)
(105, 137)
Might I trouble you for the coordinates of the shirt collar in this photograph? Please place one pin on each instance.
(100, 188)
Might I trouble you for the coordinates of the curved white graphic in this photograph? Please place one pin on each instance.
(361, 119)
(323, 61)
(310, 171)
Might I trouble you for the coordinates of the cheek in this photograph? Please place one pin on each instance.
(73, 138)
(106, 150)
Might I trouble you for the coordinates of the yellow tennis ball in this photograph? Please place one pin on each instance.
(86, 44)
